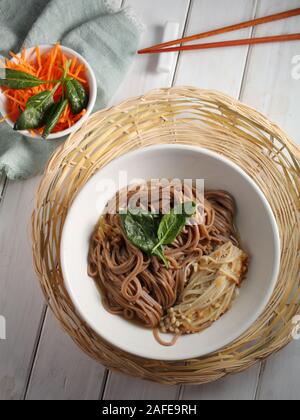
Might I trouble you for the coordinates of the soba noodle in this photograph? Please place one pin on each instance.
(138, 286)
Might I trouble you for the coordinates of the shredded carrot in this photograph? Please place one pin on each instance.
(73, 64)
(78, 71)
(77, 78)
(13, 99)
(13, 55)
(46, 65)
(38, 56)
(53, 56)
(26, 66)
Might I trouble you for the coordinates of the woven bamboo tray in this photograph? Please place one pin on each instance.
(189, 116)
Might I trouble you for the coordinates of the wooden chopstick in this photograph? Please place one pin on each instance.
(242, 25)
(222, 44)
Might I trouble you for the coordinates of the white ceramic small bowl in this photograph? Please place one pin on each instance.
(92, 94)
(255, 221)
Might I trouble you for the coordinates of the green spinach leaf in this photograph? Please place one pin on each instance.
(15, 79)
(29, 119)
(76, 95)
(172, 223)
(53, 117)
(139, 229)
(159, 252)
(36, 108)
(42, 101)
(150, 232)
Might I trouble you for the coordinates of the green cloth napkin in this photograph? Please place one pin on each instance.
(105, 35)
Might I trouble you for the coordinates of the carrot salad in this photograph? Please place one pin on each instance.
(46, 66)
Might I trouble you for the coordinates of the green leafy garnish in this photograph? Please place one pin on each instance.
(54, 116)
(36, 108)
(172, 223)
(76, 95)
(159, 252)
(151, 232)
(42, 101)
(15, 79)
(140, 229)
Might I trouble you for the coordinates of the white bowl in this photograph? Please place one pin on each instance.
(255, 221)
(91, 78)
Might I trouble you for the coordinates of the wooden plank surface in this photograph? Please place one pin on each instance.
(21, 301)
(122, 387)
(61, 370)
(143, 75)
(281, 375)
(221, 69)
(269, 85)
(236, 387)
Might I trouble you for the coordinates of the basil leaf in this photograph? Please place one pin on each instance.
(173, 223)
(150, 232)
(76, 95)
(150, 221)
(42, 101)
(15, 79)
(159, 252)
(139, 231)
(36, 107)
(54, 116)
(29, 119)
(140, 228)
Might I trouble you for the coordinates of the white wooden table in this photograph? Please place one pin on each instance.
(38, 360)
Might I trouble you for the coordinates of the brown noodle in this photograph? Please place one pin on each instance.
(138, 286)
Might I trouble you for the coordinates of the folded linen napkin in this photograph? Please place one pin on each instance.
(104, 34)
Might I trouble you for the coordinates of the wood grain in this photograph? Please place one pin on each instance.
(221, 70)
(143, 75)
(125, 388)
(61, 371)
(269, 85)
(21, 300)
(281, 375)
(236, 387)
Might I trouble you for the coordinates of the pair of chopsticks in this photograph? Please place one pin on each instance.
(168, 46)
